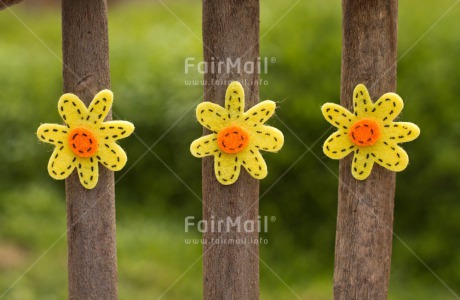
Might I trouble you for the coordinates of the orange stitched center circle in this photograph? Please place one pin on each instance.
(232, 139)
(82, 142)
(364, 132)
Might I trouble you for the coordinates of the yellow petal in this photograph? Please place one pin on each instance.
(255, 164)
(100, 107)
(72, 110)
(212, 116)
(337, 115)
(227, 168)
(53, 134)
(115, 130)
(387, 108)
(338, 145)
(260, 113)
(204, 146)
(391, 156)
(111, 155)
(266, 138)
(88, 172)
(362, 103)
(234, 100)
(400, 132)
(62, 162)
(362, 164)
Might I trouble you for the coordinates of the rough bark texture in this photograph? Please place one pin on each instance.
(92, 256)
(365, 210)
(6, 3)
(230, 30)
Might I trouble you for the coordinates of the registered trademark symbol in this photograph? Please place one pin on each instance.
(273, 60)
(273, 218)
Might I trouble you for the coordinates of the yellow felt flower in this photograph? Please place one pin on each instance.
(86, 139)
(369, 132)
(237, 136)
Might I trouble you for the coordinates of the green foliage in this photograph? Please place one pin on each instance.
(148, 48)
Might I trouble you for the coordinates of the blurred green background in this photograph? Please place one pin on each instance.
(148, 46)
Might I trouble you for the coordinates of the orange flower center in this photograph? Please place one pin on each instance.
(82, 142)
(232, 139)
(364, 132)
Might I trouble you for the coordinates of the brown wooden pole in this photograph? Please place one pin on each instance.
(92, 254)
(230, 30)
(365, 209)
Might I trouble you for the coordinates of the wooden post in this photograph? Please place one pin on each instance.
(230, 30)
(92, 254)
(365, 209)
(6, 3)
